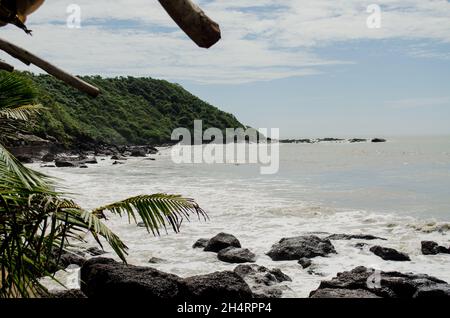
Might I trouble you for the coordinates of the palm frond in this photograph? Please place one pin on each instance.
(13, 174)
(20, 112)
(156, 211)
(15, 90)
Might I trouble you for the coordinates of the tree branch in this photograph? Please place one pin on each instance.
(6, 67)
(193, 21)
(29, 58)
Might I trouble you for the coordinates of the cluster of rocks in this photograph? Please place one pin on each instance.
(363, 282)
(313, 141)
(103, 277)
(227, 247)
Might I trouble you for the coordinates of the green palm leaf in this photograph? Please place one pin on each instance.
(156, 211)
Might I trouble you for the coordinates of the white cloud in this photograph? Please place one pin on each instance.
(262, 40)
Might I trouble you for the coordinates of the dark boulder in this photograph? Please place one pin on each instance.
(66, 164)
(105, 278)
(118, 157)
(299, 247)
(236, 255)
(49, 157)
(354, 140)
(305, 262)
(95, 251)
(117, 163)
(389, 254)
(220, 285)
(366, 237)
(138, 153)
(90, 161)
(433, 248)
(378, 140)
(156, 260)
(25, 158)
(200, 243)
(263, 282)
(383, 284)
(221, 241)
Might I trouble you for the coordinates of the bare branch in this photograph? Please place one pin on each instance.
(29, 58)
(6, 67)
(193, 21)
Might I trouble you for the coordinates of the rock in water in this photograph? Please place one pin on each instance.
(389, 254)
(366, 237)
(382, 284)
(378, 140)
(305, 262)
(95, 251)
(264, 283)
(217, 286)
(433, 248)
(200, 243)
(295, 248)
(236, 255)
(106, 278)
(221, 241)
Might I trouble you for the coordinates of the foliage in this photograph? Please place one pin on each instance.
(37, 222)
(129, 111)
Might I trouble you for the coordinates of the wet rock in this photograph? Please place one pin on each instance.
(49, 157)
(221, 241)
(48, 166)
(299, 247)
(433, 248)
(384, 284)
(69, 258)
(90, 161)
(83, 167)
(201, 243)
(118, 157)
(220, 285)
(25, 158)
(343, 293)
(95, 251)
(263, 282)
(236, 255)
(105, 278)
(305, 262)
(138, 153)
(156, 260)
(354, 140)
(66, 164)
(366, 237)
(389, 254)
(117, 163)
(378, 140)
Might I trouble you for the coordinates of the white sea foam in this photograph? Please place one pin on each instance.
(333, 188)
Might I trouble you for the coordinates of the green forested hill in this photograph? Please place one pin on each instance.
(129, 111)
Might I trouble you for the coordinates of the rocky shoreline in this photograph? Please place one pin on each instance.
(104, 277)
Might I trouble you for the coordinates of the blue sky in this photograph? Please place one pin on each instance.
(310, 68)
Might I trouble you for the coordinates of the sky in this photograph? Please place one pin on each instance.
(312, 68)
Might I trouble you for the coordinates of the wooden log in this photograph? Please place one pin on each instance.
(6, 67)
(29, 58)
(193, 21)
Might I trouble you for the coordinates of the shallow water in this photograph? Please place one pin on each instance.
(398, 190)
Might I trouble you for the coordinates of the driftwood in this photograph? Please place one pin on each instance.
(29, 58)
(6, 67)
(189, 17)
(193, 21)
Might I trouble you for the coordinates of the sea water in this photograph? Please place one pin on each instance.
(399, 190)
